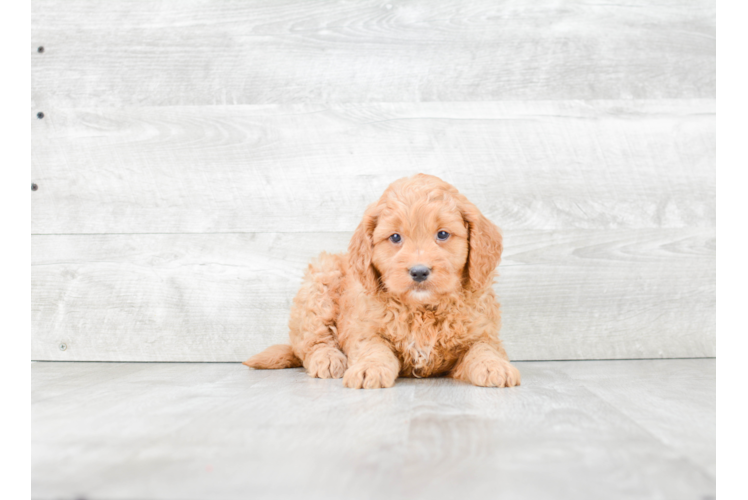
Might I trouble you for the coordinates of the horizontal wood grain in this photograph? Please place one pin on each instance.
(681, 416)
(527, 165)
(177, 52)
(165, 431)
(573, 294)
(195, 154)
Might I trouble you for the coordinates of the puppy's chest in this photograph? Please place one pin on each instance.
(428, 346)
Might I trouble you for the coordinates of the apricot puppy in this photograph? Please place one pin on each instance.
(413, 296)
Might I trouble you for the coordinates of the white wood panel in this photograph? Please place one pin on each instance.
(178, 52)
(683, 417)
(165, 431)
(527, 165)
(574, 294)
(586, 131)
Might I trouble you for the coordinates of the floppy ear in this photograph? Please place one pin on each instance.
(361, 249)
(484, 247)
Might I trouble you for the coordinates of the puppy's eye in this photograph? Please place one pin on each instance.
(442, 235)
(395, 238)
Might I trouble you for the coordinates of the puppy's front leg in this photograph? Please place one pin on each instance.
(371, 365)
(486, 366)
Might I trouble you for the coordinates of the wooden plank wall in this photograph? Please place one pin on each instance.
(194, 155)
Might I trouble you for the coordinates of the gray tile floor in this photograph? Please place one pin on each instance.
(574, 429)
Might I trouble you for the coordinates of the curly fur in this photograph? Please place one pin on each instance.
(360, 315)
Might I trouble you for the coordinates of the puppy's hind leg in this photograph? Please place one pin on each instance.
(313, 316)
(325, 360)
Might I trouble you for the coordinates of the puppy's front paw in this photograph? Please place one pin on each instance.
(326, 362)
(368, 375)
(493, 372)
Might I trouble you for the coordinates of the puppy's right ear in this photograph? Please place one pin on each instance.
(361, 249)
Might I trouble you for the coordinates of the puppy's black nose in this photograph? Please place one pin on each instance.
(419, 273)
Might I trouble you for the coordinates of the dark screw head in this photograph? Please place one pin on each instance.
(34, 187)
(40, 50)
(40, 115)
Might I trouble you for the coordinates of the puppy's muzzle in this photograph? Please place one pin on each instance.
(419, 273)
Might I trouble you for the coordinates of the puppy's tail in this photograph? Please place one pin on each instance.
(274, 358)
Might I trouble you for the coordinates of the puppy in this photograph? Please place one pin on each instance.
(413, 296)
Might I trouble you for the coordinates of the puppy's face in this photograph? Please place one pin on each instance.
(420, 247)
(423, 239)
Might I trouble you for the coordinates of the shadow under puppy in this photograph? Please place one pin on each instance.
(413, 296)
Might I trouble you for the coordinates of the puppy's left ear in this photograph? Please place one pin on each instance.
(485, 245)
(361, 249)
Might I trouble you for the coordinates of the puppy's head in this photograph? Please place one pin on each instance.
(423, 240)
